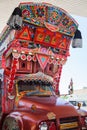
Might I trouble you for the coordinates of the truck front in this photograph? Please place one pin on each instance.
(37, 107)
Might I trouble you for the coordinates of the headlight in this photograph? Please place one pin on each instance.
(11, 123)
(43, 126)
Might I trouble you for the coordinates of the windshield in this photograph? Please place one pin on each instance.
(27, 88)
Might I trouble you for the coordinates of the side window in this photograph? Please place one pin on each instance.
(22, 65)
(52, 69)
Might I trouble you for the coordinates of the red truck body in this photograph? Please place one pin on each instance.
(34, 47)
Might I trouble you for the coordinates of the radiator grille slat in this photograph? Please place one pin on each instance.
(70, 123)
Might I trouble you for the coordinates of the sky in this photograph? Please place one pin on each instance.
(76, 65)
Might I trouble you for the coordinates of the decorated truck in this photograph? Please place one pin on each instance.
(34, 46)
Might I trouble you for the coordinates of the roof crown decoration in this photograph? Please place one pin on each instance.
(49, 16)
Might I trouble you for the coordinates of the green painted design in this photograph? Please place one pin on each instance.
(47, 39)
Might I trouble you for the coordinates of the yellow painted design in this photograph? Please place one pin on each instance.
(68, 125)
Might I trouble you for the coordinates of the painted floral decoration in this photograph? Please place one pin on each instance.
(40, 12)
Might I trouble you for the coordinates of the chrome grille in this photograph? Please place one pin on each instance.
(70, 123)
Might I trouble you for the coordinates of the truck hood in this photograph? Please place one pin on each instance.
(52, 104)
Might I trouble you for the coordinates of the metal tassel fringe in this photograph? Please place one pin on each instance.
(15, 21)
